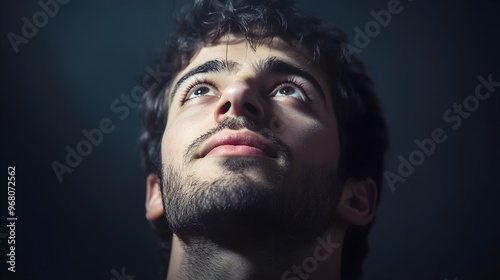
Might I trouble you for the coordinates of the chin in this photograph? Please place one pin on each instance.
(236, 196)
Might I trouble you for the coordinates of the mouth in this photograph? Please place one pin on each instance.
(238, 143)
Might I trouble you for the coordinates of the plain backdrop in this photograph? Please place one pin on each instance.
(440, 223)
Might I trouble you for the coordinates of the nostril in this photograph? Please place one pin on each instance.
(250, 108)
(225, 107)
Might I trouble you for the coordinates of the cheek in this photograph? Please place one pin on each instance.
(180, 132)
(313, 142)
(176, 138)
(168, 145)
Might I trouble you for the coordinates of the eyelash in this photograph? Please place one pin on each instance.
(197, 82)
(294, 82)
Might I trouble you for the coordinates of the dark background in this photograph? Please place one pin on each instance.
(440, 223)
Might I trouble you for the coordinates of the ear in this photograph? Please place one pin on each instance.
(358, 202)
(154, 206)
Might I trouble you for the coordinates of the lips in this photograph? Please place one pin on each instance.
(237, 143)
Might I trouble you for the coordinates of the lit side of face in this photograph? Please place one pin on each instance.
(251, 142)
(274, 86)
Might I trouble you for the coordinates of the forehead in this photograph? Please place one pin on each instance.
(240, 51)
(246, 57)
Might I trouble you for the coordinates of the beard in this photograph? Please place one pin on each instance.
(291, 206)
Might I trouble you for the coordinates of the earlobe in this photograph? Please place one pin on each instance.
(358, 202)
(154, 206)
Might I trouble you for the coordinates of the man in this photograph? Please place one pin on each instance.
(264, 146)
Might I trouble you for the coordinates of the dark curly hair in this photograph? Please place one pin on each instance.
(362, 128)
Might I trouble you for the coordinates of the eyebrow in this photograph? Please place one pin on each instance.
(264, 66)
(211, 66)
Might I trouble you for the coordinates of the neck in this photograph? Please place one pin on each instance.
(201, 258)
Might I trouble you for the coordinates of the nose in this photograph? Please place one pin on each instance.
(239, 100)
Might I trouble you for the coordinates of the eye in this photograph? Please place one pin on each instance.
(288, 89)
(201, 90)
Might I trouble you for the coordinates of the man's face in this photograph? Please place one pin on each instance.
(251, 136)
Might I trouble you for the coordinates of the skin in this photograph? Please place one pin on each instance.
(311, 124)
(297, 109)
